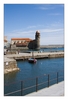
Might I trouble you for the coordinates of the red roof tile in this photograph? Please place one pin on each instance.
(27, 39)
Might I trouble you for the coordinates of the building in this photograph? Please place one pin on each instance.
(20, 42)
(5, 41)
(35, 44)
(26, 42)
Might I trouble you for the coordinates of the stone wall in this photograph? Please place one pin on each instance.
(55, 55)
(17, 48)
(10, 66)
(11, 52)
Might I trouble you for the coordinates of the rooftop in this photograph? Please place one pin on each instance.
(28, 39)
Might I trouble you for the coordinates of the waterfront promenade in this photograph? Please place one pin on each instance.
(36, 54)
(54, 90)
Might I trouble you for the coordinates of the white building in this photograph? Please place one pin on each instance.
(5, 41)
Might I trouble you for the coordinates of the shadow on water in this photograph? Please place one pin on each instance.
(10, 77)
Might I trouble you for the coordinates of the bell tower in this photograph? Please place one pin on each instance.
(37, 39)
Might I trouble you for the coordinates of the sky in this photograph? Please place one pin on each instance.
(23, 20)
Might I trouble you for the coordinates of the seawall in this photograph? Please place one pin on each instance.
(10, 65)
(37, 55)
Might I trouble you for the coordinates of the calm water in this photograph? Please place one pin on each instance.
(28, 70)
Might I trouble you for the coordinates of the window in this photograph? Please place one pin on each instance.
(19, 41)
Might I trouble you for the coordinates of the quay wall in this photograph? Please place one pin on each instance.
(10, 65)
(36, 55)
(11, 52)
(56, 56)
(40, 56)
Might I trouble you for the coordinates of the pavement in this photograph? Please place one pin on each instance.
(35, 54)
(54, 90)
(8, 59)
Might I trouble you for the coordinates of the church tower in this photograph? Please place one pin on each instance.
(37, 39)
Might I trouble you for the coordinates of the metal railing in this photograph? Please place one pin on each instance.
(36, 85)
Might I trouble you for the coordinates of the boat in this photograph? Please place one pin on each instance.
(32, 60)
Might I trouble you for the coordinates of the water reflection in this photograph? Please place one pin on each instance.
(10, 77)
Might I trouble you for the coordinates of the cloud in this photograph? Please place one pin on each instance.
(55, 14)
(35, 26)
(23, 34)
(43, 8)
(50, 7)
(31, 26)
(52, 39)
(50, 30)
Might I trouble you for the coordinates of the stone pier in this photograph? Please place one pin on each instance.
(10, 65)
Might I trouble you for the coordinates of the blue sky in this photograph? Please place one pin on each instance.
(22, 20)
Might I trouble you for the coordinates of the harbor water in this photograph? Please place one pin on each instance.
(28, 70)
